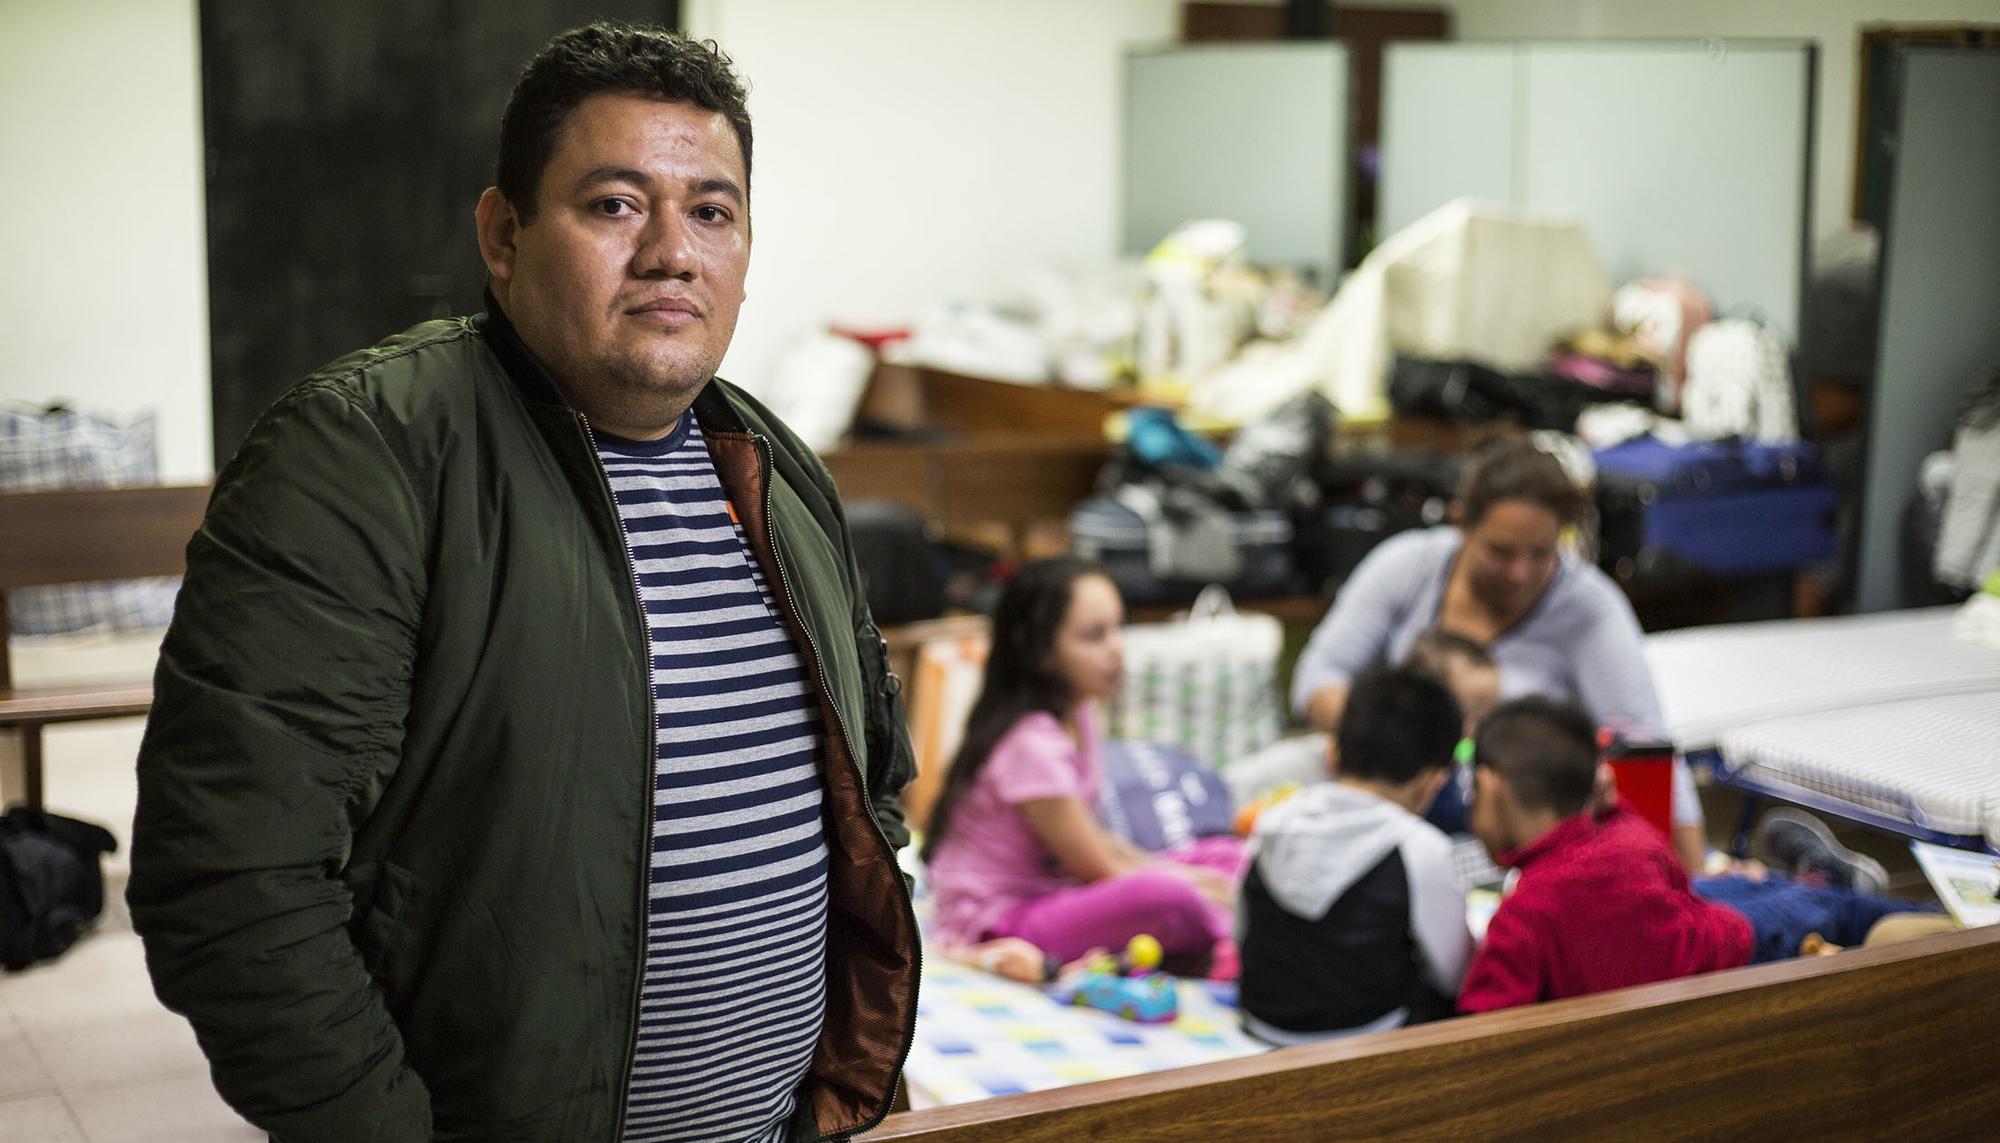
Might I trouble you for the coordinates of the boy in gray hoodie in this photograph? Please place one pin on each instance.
(1351, 918)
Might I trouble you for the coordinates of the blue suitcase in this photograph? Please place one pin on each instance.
(1721, 508)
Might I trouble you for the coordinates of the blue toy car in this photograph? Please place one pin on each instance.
(1149, 998)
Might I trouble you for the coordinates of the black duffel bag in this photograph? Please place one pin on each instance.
(51, 883)
(903, 569)
(1466, 392)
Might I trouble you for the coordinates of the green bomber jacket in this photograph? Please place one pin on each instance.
(392, 842)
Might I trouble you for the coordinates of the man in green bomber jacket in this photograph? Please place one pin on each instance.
(524, 763)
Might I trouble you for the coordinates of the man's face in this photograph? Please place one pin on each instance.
(627, 283)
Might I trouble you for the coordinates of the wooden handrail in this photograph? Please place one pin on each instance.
(1878, 1043)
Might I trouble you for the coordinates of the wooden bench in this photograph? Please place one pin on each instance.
(79, 537)
(1880, 1043)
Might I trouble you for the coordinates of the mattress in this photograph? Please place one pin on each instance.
(1931, 763)
(1712, 680)
(1993, 813)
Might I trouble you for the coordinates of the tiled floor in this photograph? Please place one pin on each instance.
(87, 1055)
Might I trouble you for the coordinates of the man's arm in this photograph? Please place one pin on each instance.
(892, 761)
(277, 718)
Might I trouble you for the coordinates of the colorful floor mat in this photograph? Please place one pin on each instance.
(980, 1036)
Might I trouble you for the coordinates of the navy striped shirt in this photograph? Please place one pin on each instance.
(735, 987)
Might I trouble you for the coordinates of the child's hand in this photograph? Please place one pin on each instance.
(1010, 957)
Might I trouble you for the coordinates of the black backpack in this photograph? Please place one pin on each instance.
(51, 883)
(903, 571)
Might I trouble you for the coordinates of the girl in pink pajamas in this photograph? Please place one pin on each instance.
(1015, 848)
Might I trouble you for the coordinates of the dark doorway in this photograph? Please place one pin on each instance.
(1881, 81)
(347, 141)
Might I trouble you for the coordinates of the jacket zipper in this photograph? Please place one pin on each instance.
(652, 779)
(854, 760)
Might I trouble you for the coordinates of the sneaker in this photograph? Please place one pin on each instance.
(1800, 844)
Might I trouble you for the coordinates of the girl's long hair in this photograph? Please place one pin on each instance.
(1020, 677)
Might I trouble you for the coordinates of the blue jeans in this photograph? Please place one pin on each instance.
(1781, 912)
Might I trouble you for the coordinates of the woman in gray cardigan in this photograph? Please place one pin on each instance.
(1556, 625)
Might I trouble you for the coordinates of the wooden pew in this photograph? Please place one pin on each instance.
(1888, 1042)
(79, 537)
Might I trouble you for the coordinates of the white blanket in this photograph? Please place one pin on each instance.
(1470, 280)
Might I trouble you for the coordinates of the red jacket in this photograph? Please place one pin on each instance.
(1600, 904)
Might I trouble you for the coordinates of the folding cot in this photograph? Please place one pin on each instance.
(1884, 719)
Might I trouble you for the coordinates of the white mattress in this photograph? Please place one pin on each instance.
(1932, 762)
(1993, 812)
(1712, 680)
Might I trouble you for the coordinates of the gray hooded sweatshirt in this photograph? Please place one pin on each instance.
(1350, 903)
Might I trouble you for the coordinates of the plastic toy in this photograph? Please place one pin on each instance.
(1128, 985)
(1247, 814)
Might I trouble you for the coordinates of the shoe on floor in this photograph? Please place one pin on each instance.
(1800, 844)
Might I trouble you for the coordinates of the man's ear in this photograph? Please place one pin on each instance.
(497, 224)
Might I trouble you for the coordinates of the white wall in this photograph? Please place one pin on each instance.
(916, 151)
(1834, 24)
(104, 301)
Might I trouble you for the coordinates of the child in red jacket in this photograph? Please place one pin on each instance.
(1602, 901)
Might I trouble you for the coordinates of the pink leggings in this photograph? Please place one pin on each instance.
(1106, 914)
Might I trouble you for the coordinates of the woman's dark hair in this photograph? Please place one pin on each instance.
(621, 59)
(1500, 468)
(1020, 678)
(1398, 723)
(1545, 749)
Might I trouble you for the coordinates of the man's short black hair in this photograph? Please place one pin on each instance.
(1397, 724)
(619, 59)
(1546, 750)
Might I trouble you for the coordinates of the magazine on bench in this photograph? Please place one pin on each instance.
(1968, 883)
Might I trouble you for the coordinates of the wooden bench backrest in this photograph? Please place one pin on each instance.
(98, 533)
(84, 535)
(1890, 1042)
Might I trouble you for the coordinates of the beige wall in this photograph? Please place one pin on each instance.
(104, 299)
(911, 152)
(1833, 24)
